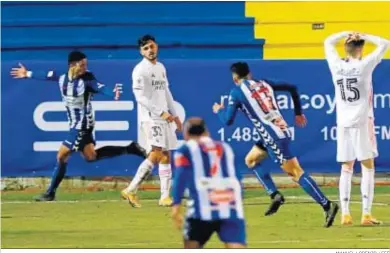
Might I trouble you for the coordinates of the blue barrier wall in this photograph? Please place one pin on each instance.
(196, 85)
(109, 30)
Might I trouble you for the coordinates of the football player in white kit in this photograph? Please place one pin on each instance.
(352, 79)
(158, 120)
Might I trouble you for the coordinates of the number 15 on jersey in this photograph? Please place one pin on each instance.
(348, 89)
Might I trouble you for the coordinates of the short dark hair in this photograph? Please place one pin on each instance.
(144, 40)
(240, 68)
(195, 126)
(356, 43)
(75, 56)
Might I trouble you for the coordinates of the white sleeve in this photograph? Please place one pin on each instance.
(139, 81)
(168, 93)
(170, 101)
(331, 53)
(375, 57)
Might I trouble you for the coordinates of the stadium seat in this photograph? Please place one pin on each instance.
(184, 29)
(291, 36)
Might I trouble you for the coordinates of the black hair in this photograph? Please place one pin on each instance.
(195, 126)
(356, 43)
(144, 40)
(240, 68)
(75, 56)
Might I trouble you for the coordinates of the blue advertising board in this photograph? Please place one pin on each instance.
(34, 123)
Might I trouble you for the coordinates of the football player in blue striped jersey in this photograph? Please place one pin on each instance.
(77, 88)
(256, 99)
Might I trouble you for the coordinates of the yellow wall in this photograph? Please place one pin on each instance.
(287, 26)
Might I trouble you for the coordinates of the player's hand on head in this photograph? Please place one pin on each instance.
(118, 90)
(179, 125)
(167, 116)
(356, 36)
(20, 72)
(301, 120)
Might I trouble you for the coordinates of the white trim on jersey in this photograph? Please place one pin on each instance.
(80, 87)
(61, 82)
(232, 173)
(69, 90)
(257, 109)
(199, 173)
(223, 208)
(79, 124)
(204, 183)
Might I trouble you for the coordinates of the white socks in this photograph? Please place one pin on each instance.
(345, 184)
(165, 173)
(144, 170)
(367, 188)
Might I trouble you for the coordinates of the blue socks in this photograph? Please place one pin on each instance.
(58, 176)
(311, 188)
(265, 179)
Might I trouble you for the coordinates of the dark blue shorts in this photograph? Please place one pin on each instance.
(280, 149)
(78, 139)
(229, 231)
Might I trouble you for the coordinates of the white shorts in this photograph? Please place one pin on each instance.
(159, 134)
(356, 143)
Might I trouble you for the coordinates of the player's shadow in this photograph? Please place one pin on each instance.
(384, 224)
(286, 203)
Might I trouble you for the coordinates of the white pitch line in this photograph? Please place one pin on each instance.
(151, 200)
(138, 244)
(353, 202)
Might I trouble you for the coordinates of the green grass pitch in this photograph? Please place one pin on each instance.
(101, 220)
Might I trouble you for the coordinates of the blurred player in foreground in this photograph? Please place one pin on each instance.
(258, 152)
(151, 90)
(256, 99)
(206, 168)
(352, 79)
(77, 87)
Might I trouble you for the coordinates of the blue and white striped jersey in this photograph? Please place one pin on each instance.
(206, 168)
(257, 100)
(77, 95)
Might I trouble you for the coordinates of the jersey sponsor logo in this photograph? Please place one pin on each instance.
(158, 84)
(221, 196)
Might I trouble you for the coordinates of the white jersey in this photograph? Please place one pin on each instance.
(352, 79)
(151, 90)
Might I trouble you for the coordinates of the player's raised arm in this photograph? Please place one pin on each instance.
(23, 72)
(227, 115)
(382, 46)
(331, 53)
(140, 94)
(102, 89)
